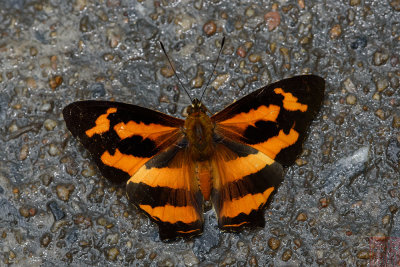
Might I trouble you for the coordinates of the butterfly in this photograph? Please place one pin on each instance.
(234, 158)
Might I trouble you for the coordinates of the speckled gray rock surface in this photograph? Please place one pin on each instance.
(56, 209)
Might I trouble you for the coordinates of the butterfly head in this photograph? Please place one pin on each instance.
(196, 107)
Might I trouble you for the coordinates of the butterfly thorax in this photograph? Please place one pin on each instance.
(199, 132)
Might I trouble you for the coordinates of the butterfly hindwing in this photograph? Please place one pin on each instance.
(275, 118)
(165, 189)
(244, 179)
(120, 137)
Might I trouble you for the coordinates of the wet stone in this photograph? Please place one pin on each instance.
(83, 221)
(359, 43)
(287, 255)
(395, 4)
(64, 191)
(273, 19)
(27, 211)
(140, 253)
(112, 239)
(55, 81)
(45, 239)
(274, 243)
(351, 99)
(97, 90)
(335, 31)
(382, 84)
(210, 28)
(380, 58)
(49, 124)
(56, 211)
(301, 217)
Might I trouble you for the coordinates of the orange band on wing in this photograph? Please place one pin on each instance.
(126, 163)
(152, 130)
(172, 214)
(245, 204)
(237, 169)
(244, 119)
(162, 177)
(275, 144)
(290, 102)
(102, 124)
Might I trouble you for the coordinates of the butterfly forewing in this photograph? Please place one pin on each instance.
(120, 137)
(275, 118)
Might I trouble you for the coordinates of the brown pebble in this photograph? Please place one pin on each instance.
(354, 2)
(287, 255)
(45, 239)
(140, 253)
(23, 153)
(82, 221)
(210, 28)
(31, 83)
(297, 242)
(380, 114)
(380, 58)
(351, 99)
(302, 217)
(112, 253)
(254, 58)
(64, 191)
(33, 51)
(335, 32)
(395, 4)
(396, 121)
(274, 243)
(301, 4)
(167, 71)
(55, 82)
(324, 202)
(241, 52)
(363, 254)
(273, 19)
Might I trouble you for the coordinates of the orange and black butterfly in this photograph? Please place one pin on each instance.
(171, 166)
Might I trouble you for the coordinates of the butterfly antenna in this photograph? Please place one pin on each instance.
(212, 73)
(162, 46)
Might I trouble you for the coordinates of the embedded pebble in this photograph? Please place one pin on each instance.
(273, 19)
(349, 86)
(189, 259)
(254, 58)
(210, 28)
(33, 51)
(335, 31)
(396, 121)
(23, 153)
(53, 150)
(287, 255)
(249, 12)
(167, 71)
(220, 80)
(64, 191)
(112, 253)
(382, 84)
(274, 243)
(45, 239)
(112, 239)
(241, 52)
(140, 253)
(380, 114)
(26, 211)
(380, 58)
(55, 82)
(49, 124)
(395, 4)
(363, 254)
(301, 217)
(351, 99)
(83, 221)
